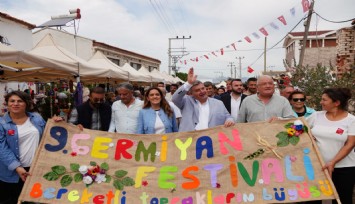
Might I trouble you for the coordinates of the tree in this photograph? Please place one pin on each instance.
(182, 76)
(314, 80)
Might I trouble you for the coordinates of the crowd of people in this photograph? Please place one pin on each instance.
(191, 106)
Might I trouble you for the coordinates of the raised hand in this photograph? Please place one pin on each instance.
(191, 77)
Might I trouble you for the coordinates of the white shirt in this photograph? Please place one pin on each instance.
(159, 125)
(28, 142)
(204, 112)
(168, 96)
(332, 135)
(125, 119)
(235, 104)
(176, 110)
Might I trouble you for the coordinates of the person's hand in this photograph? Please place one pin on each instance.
(228, 123)
(80, 126)
(191, 77)
(22, 173)
(272, 119)
(57, 118)
(330, 167)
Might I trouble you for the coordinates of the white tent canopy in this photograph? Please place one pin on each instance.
(69, 61)
(154, 77)
(24, 66)
(163, 78)
(135, 75)
(100, 60)
(168, 78)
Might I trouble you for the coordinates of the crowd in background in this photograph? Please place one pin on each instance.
(185, 107)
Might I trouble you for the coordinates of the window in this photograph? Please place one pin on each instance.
(115, 61)
(136, 66)
(151, 68)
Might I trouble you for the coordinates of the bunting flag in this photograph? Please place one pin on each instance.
(293, 11)
(233, 45)
(263, 31)
(250, 70)
(274, 26)
(256, 35)
(305, 5)
(282, 19)
(247, 39)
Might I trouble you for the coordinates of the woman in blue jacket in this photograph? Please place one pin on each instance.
(156, 117)
(20, 133)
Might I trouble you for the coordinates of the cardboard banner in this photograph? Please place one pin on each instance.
(247, 163)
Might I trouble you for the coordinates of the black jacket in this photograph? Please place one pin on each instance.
(85, 115)
(226, 99)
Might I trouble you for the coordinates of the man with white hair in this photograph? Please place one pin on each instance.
(265, 105)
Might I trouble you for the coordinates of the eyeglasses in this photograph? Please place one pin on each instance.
(298, 99)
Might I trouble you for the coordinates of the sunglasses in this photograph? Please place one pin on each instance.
(298, 99)
(98, 100)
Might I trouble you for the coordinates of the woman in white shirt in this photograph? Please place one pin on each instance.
(334, 131)
(156, 117)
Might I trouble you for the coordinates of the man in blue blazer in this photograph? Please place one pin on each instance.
(197, 109)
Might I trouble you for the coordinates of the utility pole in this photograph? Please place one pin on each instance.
(265, 55)
(176, 57)
(231, 64)
(240, 68)
(304, 41)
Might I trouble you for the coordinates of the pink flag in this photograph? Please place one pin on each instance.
(282, 19)
(250, 70)
(206, 56)
(222, 51)
(214, 54)
(305, 5)
(247, 39)
(196, 59)
(233, 45)
(263, 31)
(185, 62)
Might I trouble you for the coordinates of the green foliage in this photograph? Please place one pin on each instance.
(314, 80)
(118, 185)
(78, 177)
(51, 176)
(66, 180)
(182, 76)
(74, 167)
(104, 166)
(60, 170)
(120, 173)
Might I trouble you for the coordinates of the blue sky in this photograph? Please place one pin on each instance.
(213, 24)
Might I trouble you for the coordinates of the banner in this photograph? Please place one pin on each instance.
(248, 163)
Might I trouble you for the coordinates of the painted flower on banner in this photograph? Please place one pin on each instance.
(292, 134)
(89, 174)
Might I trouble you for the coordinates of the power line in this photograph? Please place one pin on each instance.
(334, 21)
(160, 17)
(256, 49)
(278, 41)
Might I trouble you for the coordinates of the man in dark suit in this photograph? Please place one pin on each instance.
(234, 100)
